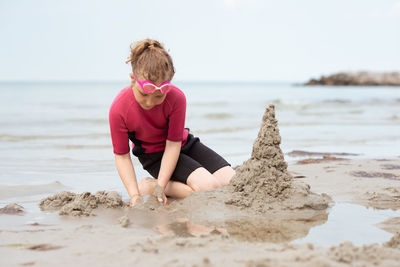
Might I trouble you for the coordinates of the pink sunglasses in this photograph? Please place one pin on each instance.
(149, 87)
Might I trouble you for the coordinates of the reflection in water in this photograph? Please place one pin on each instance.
(252, 229)
(182, 227)
(272, 230)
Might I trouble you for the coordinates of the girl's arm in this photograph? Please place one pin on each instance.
(128, 176)
(168, 163)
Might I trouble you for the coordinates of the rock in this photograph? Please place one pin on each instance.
(362, 78)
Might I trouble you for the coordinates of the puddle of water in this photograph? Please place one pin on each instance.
(350, 222)
(34, 218)
(32, 214)
(346, 222)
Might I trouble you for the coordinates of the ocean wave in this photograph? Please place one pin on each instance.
(218, 116)
(337, 101)
(336, 123)
(82, 146)
(88, 120)
(213, 104)
(19, 138)
(289, 104)
(8, 191)
(225, 129)
(332, 112)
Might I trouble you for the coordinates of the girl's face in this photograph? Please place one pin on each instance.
(146, 101)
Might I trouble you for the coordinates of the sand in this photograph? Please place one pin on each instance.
(249, 222)
(124, 221)
(94, 243)
(391, 225)
(354, 181)
(81, 204)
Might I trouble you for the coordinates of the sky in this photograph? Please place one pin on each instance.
(209, 40)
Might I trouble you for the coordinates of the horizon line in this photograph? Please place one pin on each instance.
(176, 81)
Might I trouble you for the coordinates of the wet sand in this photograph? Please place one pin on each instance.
(250, 222)
(169, 236)
(368, 182)
(166, 237)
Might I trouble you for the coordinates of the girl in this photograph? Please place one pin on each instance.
(151, 113)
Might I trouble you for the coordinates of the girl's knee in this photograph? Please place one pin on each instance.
(177, 189)
(201, 179)
(187, 191)
(204, 186)
(224, 175)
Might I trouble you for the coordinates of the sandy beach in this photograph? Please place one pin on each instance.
(105, 239)
(241, 224)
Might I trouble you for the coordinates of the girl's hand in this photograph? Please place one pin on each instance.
(158, 192)
(134, 200)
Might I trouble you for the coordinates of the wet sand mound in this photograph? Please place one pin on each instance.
(69, 203)
(12, 208)
(385, 255)
(388, 199)
(262, 182)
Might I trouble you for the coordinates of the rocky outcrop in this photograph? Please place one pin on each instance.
(359, 78)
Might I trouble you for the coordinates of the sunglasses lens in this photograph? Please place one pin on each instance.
(166, 88)
(148, 88)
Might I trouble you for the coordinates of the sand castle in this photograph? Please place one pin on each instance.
(263, 182)
(262, 178)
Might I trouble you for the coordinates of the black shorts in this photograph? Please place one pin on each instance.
(194, 154)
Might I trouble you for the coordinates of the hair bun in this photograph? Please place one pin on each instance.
(149, 58)
(153, 44)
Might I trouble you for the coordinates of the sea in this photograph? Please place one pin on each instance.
(55, 133)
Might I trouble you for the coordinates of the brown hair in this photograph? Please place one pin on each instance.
(150, 61)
